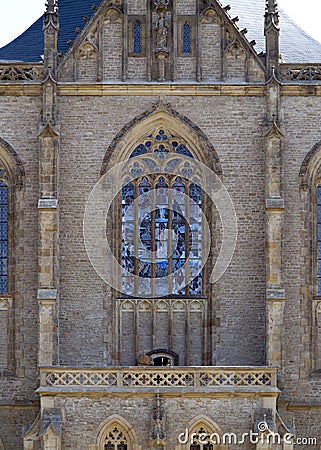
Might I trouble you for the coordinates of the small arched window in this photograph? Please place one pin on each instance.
(137, 38)
(186, 38)
(116, 439)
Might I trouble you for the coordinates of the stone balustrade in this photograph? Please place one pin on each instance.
(151, 378)
(21, 72)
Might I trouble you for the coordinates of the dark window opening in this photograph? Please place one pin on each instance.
(137, 38)
(186, 39)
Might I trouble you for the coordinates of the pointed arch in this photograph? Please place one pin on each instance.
(123, 425)
(163, 115)
(310, 190)
(311, 166)
(206, 425)
(12, 162)
(210, 15)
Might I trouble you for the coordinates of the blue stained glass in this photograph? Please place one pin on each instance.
(183, 150)
(319, 194)
(196, 285)
(186, 39)
(195, 193)
(137, 38)
(3, 231)
(140, 150)
(3, 193)
(3, 266)
(3, 249)
(3, 213)
(3, 284)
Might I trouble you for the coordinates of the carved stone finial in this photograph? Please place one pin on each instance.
(52, 6)
(271, 14)
(161, 5)
(51, 16)
(272, 37)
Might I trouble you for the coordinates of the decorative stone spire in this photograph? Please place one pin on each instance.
(51, 16)
(272, 37)
(51, 32)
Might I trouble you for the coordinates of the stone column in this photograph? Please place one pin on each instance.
(47, 327)
(49, 138)
(275, 294)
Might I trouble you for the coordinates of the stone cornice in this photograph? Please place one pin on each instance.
(146, 89)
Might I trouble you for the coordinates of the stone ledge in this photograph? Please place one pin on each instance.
(275, 294)
(47, 294)
(48, 203)
(274, 203)
(170, 391)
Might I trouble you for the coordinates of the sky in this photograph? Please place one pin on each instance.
(17, 15)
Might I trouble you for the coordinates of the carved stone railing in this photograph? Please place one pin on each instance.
(20, 72)
(300, 72)
(144, 378)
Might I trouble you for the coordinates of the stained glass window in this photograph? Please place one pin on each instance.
(3, 237)
(186, 38)
(137, 38)
(319, 237)
(162, 229)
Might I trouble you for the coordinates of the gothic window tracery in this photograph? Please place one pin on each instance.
(200, 442)
(116, 439)
(161, 232)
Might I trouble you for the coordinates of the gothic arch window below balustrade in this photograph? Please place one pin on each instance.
(116, 439)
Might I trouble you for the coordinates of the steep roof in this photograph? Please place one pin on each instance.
(296, 45)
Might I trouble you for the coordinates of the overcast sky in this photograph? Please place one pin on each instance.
(17, 15)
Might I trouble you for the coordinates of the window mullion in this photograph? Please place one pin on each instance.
(187, 238)
(136, 238)
(153, 240)
(170, 240)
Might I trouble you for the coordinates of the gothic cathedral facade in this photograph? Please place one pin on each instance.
(160, 229)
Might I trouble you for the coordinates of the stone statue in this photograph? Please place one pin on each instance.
(162, 28)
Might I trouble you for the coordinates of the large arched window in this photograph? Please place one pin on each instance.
(161, 232)
(318, 189)
(4, 214)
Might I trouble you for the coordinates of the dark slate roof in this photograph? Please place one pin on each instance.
(296, 45)
(28, 47)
